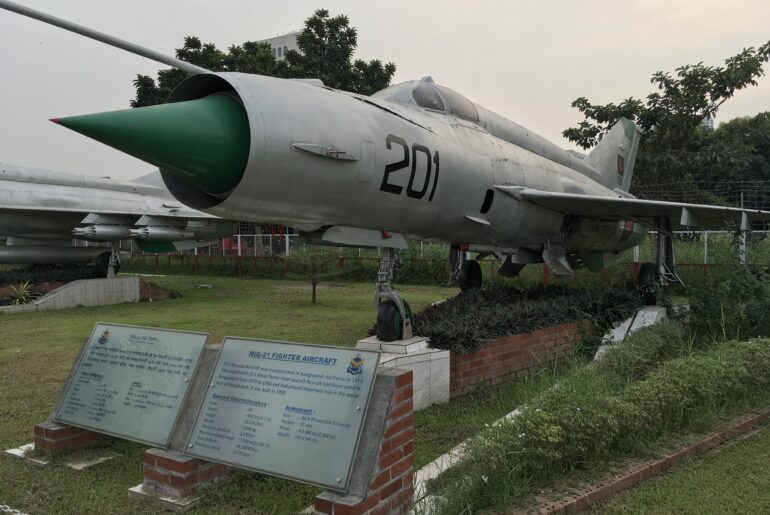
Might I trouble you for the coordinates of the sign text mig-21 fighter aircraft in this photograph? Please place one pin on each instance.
(416, 160)
(41, 211)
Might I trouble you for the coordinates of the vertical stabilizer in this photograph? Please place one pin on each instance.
(615, 154)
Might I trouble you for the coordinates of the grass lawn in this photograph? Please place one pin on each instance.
(735, 480)
(37, 351)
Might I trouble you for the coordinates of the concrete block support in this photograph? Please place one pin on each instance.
(84, 292)
(389, 469)
(430, 367)
(53, 438)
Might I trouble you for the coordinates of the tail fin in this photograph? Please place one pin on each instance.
(615, 154)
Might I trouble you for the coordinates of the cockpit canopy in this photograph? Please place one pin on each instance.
(425, 93)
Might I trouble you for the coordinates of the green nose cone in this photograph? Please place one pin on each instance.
(205, 141)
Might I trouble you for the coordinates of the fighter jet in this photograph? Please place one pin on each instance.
(415, 161)
(42, 211)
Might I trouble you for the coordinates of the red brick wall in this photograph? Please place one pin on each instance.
(173, 474)
(391, 488)
(507, 358)
(55, 438)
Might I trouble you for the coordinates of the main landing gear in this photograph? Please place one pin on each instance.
(663, 271)
(467, 272)
(107, 264)
(394, 317)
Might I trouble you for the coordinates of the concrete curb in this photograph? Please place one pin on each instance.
(583, 498)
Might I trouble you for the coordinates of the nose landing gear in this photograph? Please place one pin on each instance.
(394, 317)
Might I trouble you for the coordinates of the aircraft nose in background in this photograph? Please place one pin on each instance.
(205, 141)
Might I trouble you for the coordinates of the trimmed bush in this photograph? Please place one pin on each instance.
(584, 421)
(465, 322)
(644, 350)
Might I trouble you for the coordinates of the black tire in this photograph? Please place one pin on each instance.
(647, 275)
(470, 276)
(102, 264)
(389, 324)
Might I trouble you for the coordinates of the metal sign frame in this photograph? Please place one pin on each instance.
(343, 487)
(73, 374)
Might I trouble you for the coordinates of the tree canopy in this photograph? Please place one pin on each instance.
(677, 156)
(326, 44)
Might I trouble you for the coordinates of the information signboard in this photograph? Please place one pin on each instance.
(130, 381)
(286, 409)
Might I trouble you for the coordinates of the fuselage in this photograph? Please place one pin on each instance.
(319, 158)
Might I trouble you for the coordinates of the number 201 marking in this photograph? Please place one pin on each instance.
(411, 191)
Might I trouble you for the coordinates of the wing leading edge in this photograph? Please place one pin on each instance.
(681, 214)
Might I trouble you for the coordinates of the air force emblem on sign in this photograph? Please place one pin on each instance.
(105, 337)
(356, 366)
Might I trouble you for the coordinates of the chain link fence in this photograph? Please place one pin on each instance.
(699, 254)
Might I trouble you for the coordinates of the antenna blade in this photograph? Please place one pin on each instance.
(101, 36)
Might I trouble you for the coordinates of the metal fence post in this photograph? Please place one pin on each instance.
(742, 248)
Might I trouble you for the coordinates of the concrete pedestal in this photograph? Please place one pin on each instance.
(430, 367)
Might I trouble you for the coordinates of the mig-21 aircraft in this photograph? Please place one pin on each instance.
(42, 211)
(414, 161)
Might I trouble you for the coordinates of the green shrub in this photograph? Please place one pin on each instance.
(23, 293)
(732, 306)
(643, 350)
(473, 317)
(583, 421)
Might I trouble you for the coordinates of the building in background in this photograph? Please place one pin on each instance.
(282, 44)
(708, 122)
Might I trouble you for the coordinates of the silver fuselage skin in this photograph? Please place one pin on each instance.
(311, 191)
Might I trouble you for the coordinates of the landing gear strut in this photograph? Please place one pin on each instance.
(107, 263)
(663, 270)
(467, 272)
(394, 318)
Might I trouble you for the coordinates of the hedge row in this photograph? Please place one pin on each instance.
(585, 421)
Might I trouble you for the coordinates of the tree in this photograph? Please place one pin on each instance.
(314, 265)
(326, 48)
(670, 117)
(326, 51)
(717, 166)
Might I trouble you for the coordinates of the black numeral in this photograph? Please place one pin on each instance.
(411, 192)
(386, 186)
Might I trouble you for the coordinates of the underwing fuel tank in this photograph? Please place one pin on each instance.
(48, 254)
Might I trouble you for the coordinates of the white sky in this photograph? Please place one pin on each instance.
(525, 60)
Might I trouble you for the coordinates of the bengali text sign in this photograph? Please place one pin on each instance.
(131, 381)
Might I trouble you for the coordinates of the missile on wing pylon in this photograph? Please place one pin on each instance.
(206, 140)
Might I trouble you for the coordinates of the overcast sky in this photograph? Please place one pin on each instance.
(524, 60)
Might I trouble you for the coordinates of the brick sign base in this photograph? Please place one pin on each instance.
(391, 487)
(52, 438)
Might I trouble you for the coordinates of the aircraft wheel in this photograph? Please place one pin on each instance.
(470, 276)
(389, 323)
(647, 274)
(102, 264)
